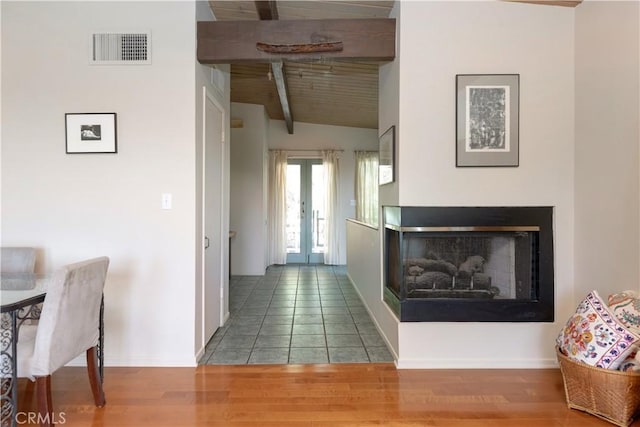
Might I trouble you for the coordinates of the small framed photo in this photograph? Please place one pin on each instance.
(386, 172)
(91, 133)
(487, 119)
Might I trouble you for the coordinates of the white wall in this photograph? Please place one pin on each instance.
(78, 206)
(308, 136)
(248, 188)
(363, 246)
(607, 254)
(437, 41)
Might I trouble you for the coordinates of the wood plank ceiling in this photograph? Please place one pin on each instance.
(322, 92)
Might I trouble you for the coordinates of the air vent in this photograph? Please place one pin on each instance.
(121, 48)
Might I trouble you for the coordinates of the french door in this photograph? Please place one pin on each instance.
(305, 211)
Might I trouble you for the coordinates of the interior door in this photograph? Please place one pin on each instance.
(213, 190)
(305, 211)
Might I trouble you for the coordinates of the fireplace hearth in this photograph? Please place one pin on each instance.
(469, 264)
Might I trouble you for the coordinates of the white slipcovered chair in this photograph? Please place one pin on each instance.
(68, 327)
(17, 260)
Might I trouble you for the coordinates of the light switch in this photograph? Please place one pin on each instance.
(166, 200)
(353, 202)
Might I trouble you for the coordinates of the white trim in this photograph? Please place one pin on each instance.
(375, 321)
(201, 352)
(189, 362)
(476, 364)
(208, 96)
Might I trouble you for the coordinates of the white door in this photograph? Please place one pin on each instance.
(213, 191)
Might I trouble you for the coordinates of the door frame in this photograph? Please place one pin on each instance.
(306, 226)
(206, 97)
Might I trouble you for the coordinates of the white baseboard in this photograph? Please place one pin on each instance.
(375, 321)
(141, 362)
(476, 364)
(199, 353)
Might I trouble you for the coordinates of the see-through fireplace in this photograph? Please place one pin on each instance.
(473, 264)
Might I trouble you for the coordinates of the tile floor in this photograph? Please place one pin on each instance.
(295, 315)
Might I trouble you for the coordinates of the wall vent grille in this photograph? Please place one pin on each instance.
(121, 48)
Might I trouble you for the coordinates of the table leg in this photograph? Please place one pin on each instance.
(9, 368)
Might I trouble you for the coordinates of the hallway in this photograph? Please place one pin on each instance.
(296, 314)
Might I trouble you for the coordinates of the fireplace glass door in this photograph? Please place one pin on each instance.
(471, 264)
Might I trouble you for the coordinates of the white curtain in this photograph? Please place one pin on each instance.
(332, 207)
(367, 187)
(277, 207)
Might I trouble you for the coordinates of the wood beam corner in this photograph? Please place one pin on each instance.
(267, 10)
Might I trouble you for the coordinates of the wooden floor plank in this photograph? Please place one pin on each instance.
(313, 396)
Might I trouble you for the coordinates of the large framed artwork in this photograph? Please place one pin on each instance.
(487, 119)
(386, 167)
(91, 133)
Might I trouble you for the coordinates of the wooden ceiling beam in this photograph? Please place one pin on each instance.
(268, 10)
(234, 42)
(283, 94)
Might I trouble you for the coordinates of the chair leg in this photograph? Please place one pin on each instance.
(45, 407)
(94, 377)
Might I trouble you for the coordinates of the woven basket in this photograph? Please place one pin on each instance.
(611, 395)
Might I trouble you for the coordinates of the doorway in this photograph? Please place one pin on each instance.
(306, 217)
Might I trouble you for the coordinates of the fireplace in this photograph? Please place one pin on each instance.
(469, 264)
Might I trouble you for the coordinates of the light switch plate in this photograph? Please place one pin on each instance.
(166, 201)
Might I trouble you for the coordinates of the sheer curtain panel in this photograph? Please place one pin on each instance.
(367, 187)
(277, 207)
(330, 163)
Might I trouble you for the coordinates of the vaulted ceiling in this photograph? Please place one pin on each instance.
(322, 92)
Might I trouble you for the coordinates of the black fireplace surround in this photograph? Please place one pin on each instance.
(469, 264)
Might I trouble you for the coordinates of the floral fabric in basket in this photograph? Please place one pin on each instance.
(626, 307)
(594, 336)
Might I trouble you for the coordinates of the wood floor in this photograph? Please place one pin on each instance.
(313, 395)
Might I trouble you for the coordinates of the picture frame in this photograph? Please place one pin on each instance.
(487, 120)
(91, 133)
(386, 156)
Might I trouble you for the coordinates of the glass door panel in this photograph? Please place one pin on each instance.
(305, 211)
(318, 212)
(294, 212)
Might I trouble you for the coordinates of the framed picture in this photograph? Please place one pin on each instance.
(487, 119)
(386, 173)
(91, 133)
